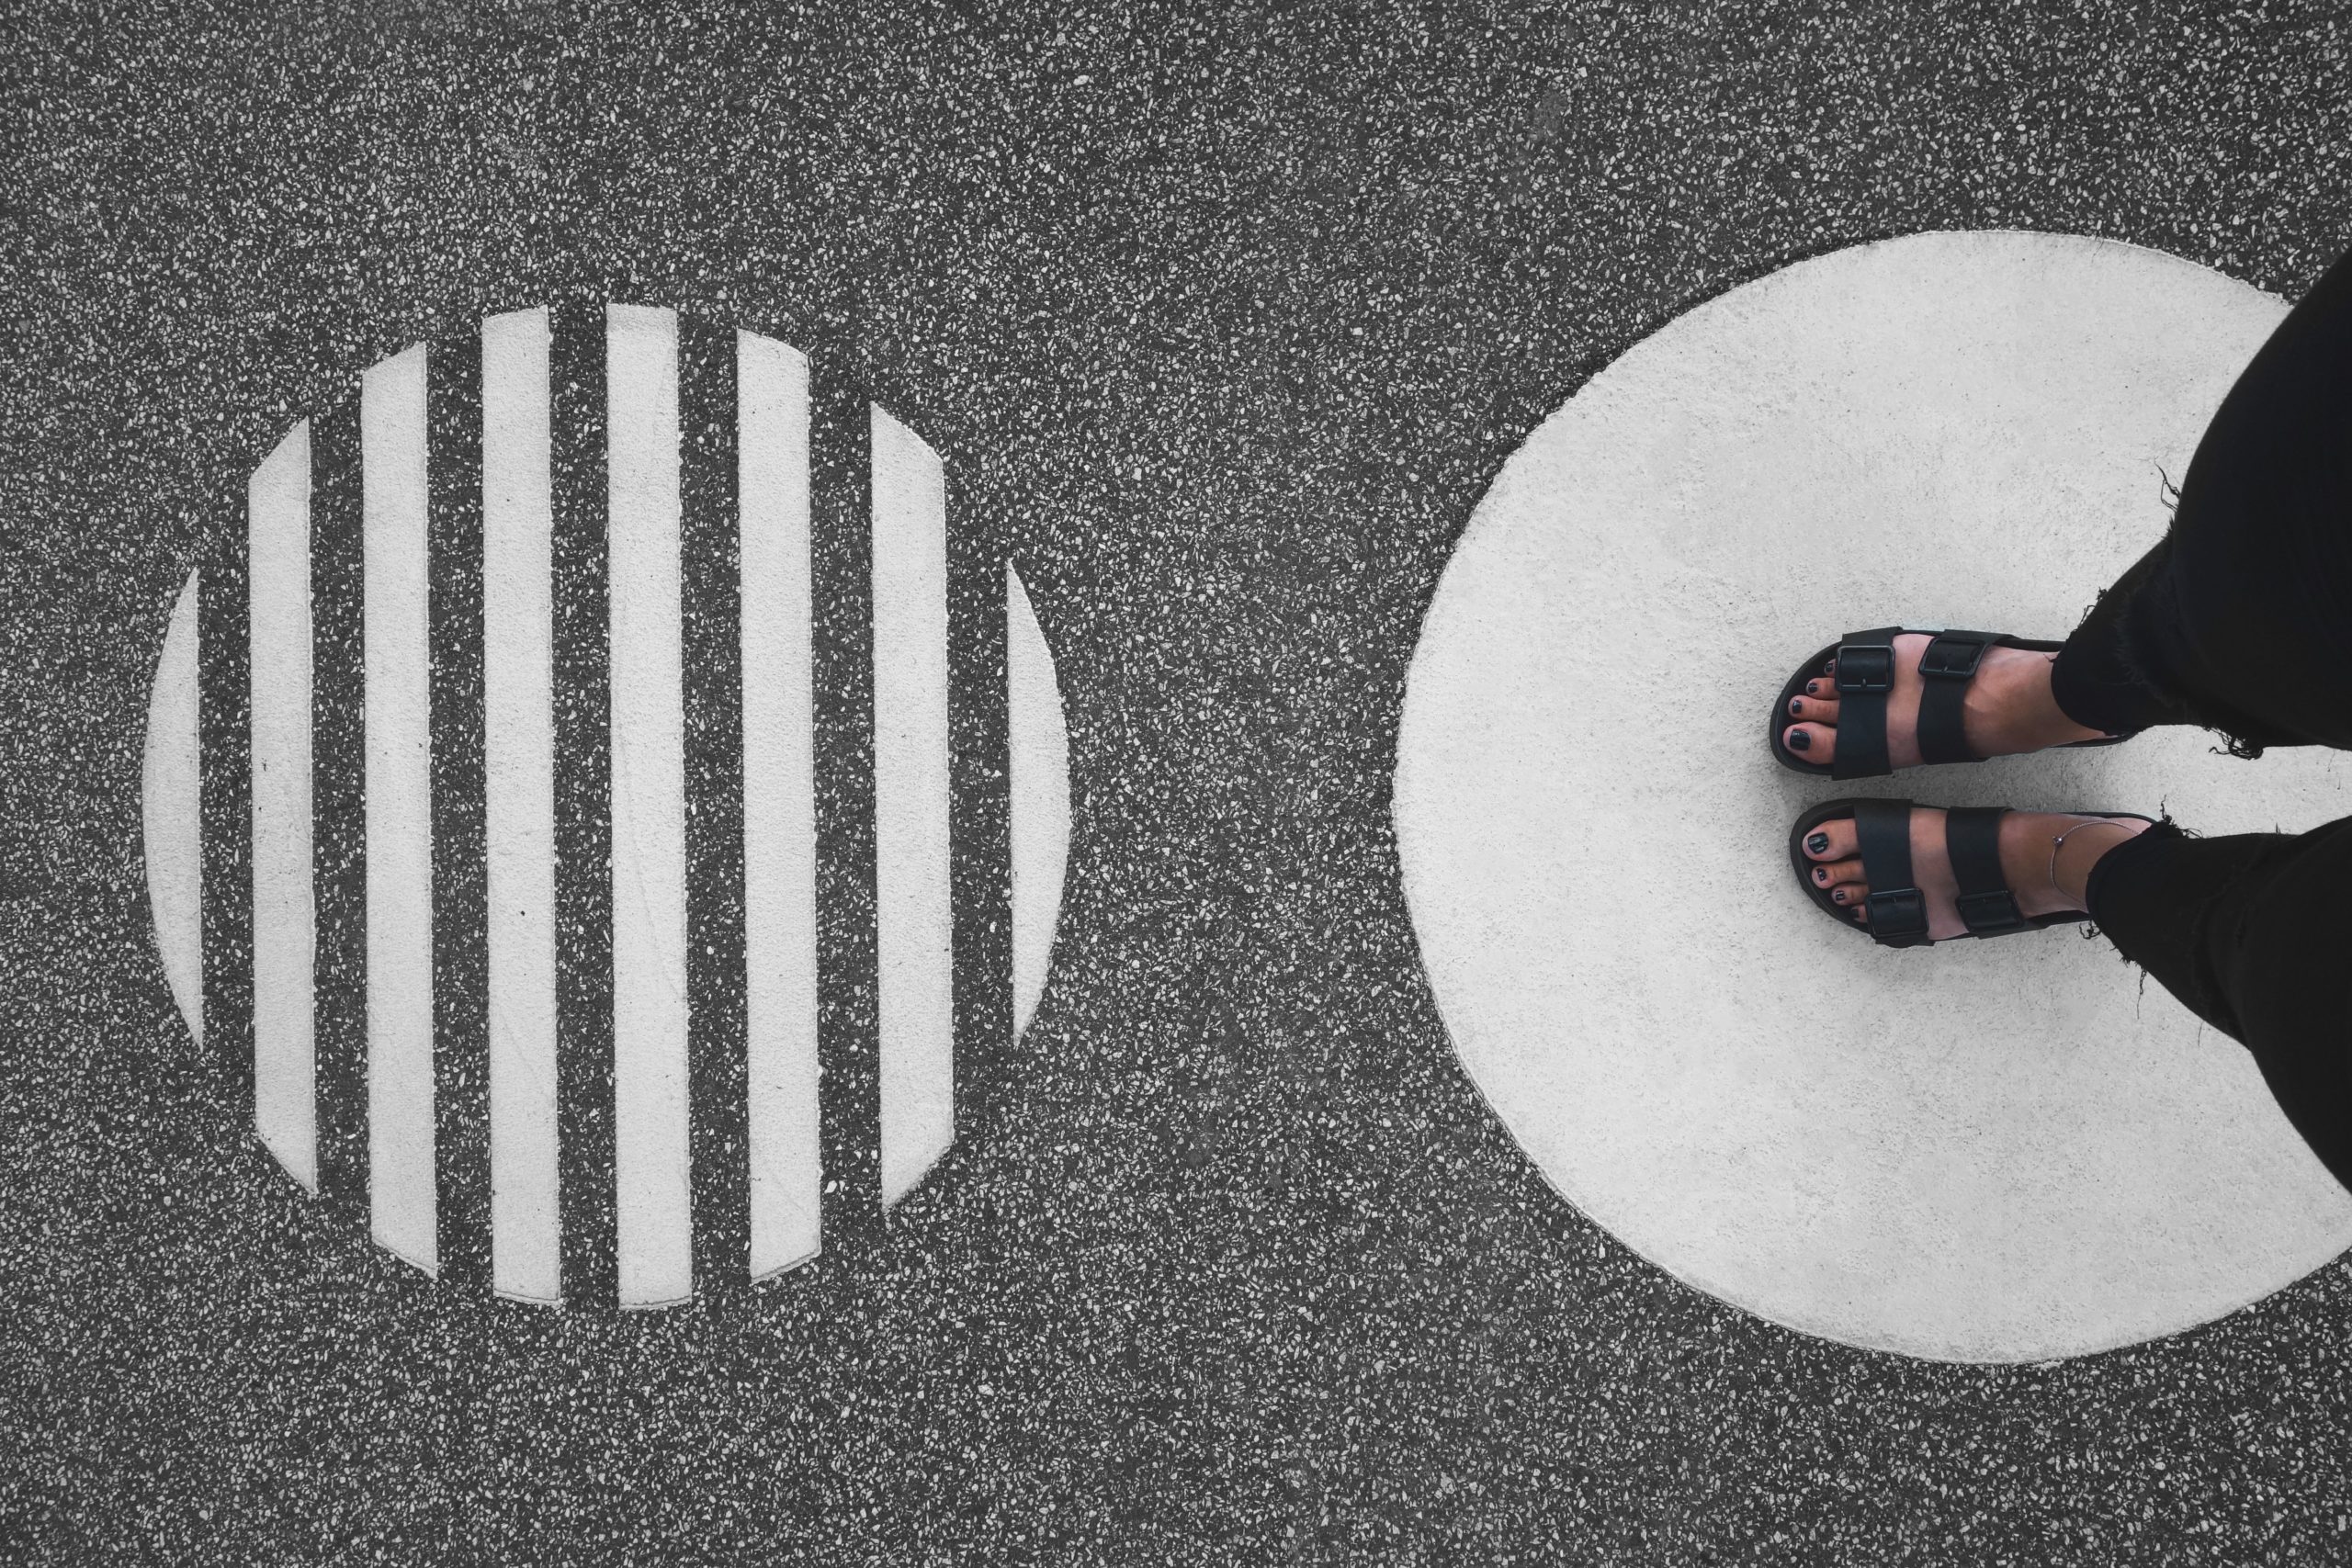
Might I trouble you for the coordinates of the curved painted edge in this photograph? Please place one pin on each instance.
(171, 811)
(1037, 743)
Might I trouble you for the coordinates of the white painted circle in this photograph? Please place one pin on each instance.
(1988, 1151)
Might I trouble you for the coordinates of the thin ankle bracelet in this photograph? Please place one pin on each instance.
(2057, 840)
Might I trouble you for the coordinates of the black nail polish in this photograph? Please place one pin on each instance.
(1813, 688)
(1821, 873)
(1799, 742)
(1797, 707)
(1817, 844)
(1838, 896)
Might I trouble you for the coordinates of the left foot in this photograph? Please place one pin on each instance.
(2008, 709)
(1836, 867)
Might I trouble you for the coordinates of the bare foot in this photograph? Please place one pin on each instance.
(2008, 709)
(2025, 861)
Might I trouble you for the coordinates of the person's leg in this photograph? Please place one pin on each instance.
(2097, 678)
(2236, 620)
(2250, 933)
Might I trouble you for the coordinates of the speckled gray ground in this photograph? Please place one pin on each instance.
(1227, 324)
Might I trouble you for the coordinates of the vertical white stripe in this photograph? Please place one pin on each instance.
(1039, 743)
(399, 671)
(518, 711)
(171, 807)
(652, 1187)
(779, 803)
(914, 922)
(277, 502)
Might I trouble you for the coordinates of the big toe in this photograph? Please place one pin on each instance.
(1814, 742)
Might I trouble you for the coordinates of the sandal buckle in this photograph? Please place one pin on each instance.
(1865, 667)
(1897, 914)
(1951, 658)
(1990, 914)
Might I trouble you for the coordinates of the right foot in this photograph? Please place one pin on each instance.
(2006, 709)
(2040, 888)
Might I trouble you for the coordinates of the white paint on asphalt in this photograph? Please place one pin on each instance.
(285, 913)
(779, 803)
(171, 816)
(651, 1174)
(913, 917)
(913, 914)
(398, 653)
(1990, 1151)
(1038, 744)
(518, 768)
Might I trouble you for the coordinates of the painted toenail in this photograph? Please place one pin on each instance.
(1838, 896)
(1817, 844)
(1797, 707)
(1798, 740)
(1813, 688)
(1821, 873)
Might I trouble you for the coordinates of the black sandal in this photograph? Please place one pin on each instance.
(1899, 909)
(1866, 674)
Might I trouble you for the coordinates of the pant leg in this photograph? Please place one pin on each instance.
(2100, 678)
(2251, 932)
(2240, 618)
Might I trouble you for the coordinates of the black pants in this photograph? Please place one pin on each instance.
(2241, 620)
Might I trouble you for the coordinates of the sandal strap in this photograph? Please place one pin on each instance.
(1946, 668)
(1973, 839)
(1865, 676)
(1883, 829)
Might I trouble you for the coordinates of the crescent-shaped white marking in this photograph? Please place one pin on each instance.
(1039, 744)
(170, 800)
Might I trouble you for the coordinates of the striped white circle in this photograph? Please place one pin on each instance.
(1989, 1151)
(642, 513)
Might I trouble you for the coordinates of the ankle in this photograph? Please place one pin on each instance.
(2013, 706)
(2077, 849)
(2047, 876)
